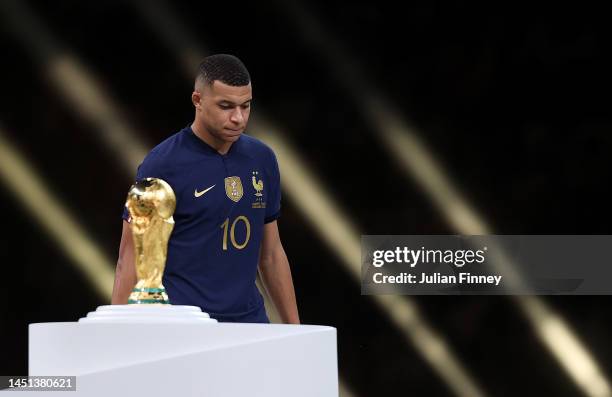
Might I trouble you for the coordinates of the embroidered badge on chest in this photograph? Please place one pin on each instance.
(233, 188)
(258, 185)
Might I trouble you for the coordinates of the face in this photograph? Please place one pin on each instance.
(222, 109)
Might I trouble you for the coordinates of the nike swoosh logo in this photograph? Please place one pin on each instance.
(198, 194)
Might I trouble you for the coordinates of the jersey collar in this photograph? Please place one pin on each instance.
(199, 143)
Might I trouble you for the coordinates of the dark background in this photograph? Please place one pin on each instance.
(512, 100)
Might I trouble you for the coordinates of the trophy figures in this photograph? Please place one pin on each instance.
(151, 203)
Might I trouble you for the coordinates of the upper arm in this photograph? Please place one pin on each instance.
(150, 167)
(273, 205)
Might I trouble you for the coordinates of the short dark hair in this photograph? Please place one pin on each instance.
(226, 68)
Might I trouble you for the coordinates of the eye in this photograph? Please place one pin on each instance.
(246, 106)
(225, 106)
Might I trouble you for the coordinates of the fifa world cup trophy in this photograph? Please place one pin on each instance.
(151, 203)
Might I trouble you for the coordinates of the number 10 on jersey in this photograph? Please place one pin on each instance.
(225, 225)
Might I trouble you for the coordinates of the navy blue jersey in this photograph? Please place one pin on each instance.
(222, 204)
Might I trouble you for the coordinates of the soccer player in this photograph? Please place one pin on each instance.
(227, 187)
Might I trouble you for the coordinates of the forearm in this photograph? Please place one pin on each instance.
(124, 283)
(276, 275)
(125, 273)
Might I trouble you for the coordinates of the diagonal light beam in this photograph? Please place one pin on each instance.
(31, 191)
(78, 86)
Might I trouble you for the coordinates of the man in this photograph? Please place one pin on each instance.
(227, 187)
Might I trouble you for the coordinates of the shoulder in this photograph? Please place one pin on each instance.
(165, 150)
(257, 149)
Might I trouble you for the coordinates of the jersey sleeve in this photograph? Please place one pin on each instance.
(147, 169)
(273, 205)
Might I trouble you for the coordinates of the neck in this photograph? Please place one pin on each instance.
(219, 145)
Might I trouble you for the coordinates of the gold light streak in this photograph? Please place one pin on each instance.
(31, 191)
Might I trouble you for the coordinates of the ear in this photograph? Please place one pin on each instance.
(196, 99)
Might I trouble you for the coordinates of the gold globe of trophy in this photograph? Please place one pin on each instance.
(151, 203)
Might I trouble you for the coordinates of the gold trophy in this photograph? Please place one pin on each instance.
(151, 203)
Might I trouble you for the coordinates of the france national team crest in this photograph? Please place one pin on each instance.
(233, 188)
(258, 186)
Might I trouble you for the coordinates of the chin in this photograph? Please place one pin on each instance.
(231, 136)
(234, 135)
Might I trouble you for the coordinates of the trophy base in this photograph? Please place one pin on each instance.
(138, 314)
(151, 296)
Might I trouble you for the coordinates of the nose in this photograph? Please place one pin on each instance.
(237, 116)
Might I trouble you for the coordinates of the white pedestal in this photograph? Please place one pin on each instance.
(147, 314)
(182, 352)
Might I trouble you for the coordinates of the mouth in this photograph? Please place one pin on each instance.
(233, 132)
